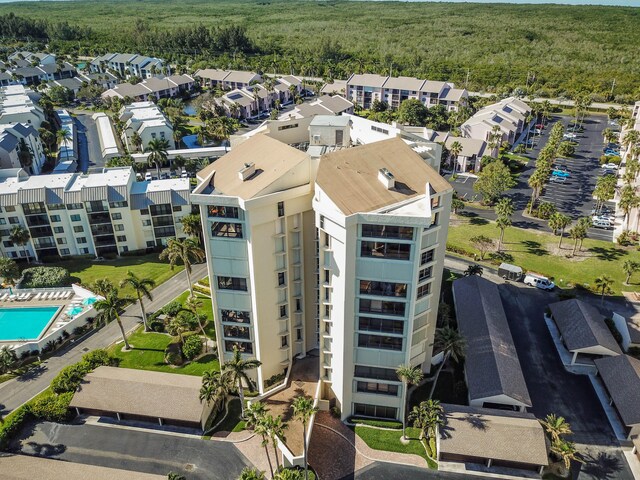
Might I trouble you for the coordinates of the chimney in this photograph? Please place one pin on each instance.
(386, 178)
(247, 171)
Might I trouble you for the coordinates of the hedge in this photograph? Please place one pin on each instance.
(52, 408)
(45, 277)
(192, 347)
(376, 423)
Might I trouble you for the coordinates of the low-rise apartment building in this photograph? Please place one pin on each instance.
(27, 68)
(20, 147)
(18, 105)
(364, 89)
(465, 154)
(145, 119)
(153, 88)
(74, 84)
(226, 79)
(507, 119)
(327, 247)
(129, 65)
(324, 105)
(107, 213)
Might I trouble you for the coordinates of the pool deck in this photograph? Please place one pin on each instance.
(59, 320)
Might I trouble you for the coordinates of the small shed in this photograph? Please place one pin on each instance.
(583, 330)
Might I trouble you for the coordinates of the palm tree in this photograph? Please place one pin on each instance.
(20, 236)
(504, 209)
(303, 410)
(452, 344)
(555, 426)
(474, 269)
(559, 221)
(276, 430)
(629, 267)
(603, 283)
(215, 388)
(631, 137)
(408, 375)
(427, 417)
(179, 325)
(251, 474)
(566, 451)
(576, 233)
(536, 182)
(255, 413)
(628, 200)
(262, 429)
(62, 136)
(186, 251)
(237, 369)
(142, 287)
(7, 359)
(109, 309)
(157, 150)
(192, 225)
(136, 140)
(103, 286)
(454, 150)
(193, 304)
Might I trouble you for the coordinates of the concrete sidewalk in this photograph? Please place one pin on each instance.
(21, 389)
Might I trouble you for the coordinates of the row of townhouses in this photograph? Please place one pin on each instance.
(29, 68)
(19, 105)
(129, 65)
(364, 89)
(147, 121)
(326, 236)
(152, 88)
(74, 84)
(95, 214)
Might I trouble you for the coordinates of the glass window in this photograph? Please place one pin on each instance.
(58, 230)
(232, 283)
(244, 347)
(146, 222)
(425, 273)
(281, 278)
(280, 209)
(75, 218)
(118, 204)
(235, 316)
(14, 220)
(81, 239)
(3, 221)
(116, 216)
(75, 206)
(223, 211)
(10, 208)
(368, 410)
(55, 218)
(378, 388)
(381, 325)
(226, 229)
(234, 331)
(380, 342)
(61, 241)
(387, 289)
(382, 307)
(387, 231)
(64, 251)
(118, 227)
(121, 238)
(390, 251)
(56, 206)
(283, 311)
(78, 229)
(424, 290)
(177, 208)
(162, 209)
(426, 257)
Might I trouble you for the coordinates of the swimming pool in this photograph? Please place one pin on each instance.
(25, 323)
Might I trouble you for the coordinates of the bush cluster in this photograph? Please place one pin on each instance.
(69, 378)
(192, 347)
(52, 408)
(459, 250)
(45, 277)
(273, 379)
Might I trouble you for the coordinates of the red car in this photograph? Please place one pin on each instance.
(540, 126)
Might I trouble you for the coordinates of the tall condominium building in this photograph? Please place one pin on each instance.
(329, 249)
(95, 214)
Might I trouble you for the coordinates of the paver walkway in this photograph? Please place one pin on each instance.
(20, 390)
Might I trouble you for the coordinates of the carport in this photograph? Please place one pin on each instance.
(129, 394)
(492, 369)
(492, 438)
(621, 378)
(583, 330)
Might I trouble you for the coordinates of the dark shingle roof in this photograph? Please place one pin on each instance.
(582, 326)
(491, 364)
(621, 375)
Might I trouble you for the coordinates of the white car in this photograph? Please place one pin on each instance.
(604, 223)
(147, 177)
(184, 174)
(609, 166)
(570, 135)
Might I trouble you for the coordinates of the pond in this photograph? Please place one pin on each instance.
(189, 109)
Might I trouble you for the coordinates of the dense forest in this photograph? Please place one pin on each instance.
(546, 50)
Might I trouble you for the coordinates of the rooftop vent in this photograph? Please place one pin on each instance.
(386, 178)
(247, 171)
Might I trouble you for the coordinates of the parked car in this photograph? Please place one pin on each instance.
(603, 223)
(557, 179)
(539, 281)
(560, 173)
(540, 126)
(608, 218)
(184, 174)
(610, 151)
(610, 166)
(147, 177)
(570, 135)
(608, 172)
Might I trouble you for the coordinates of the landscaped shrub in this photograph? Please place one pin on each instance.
(70, 377)
(335, 412)
(45, 277)
(192, 347)
(173, 354)
(204, 281)
(157, 326)
(460, 250)
(273, 379)
(201, 289)
(52, 408)
(13, 423)
(172, 308)
(97, 358)
(376, 423)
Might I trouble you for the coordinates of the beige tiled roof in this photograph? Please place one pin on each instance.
(139, 392)
(495, 434)
(368, 79)
(404, 83)
(23, 467)
(350, 176)
(272, 159)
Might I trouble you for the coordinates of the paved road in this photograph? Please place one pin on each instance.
(386, 471)
(89, 151)
(19, 390)
(141, 451)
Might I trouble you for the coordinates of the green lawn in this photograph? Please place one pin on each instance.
(389, 440)
(207, 307)
(232, 421)
(534, 251)
(86, 271)
(148, 354)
